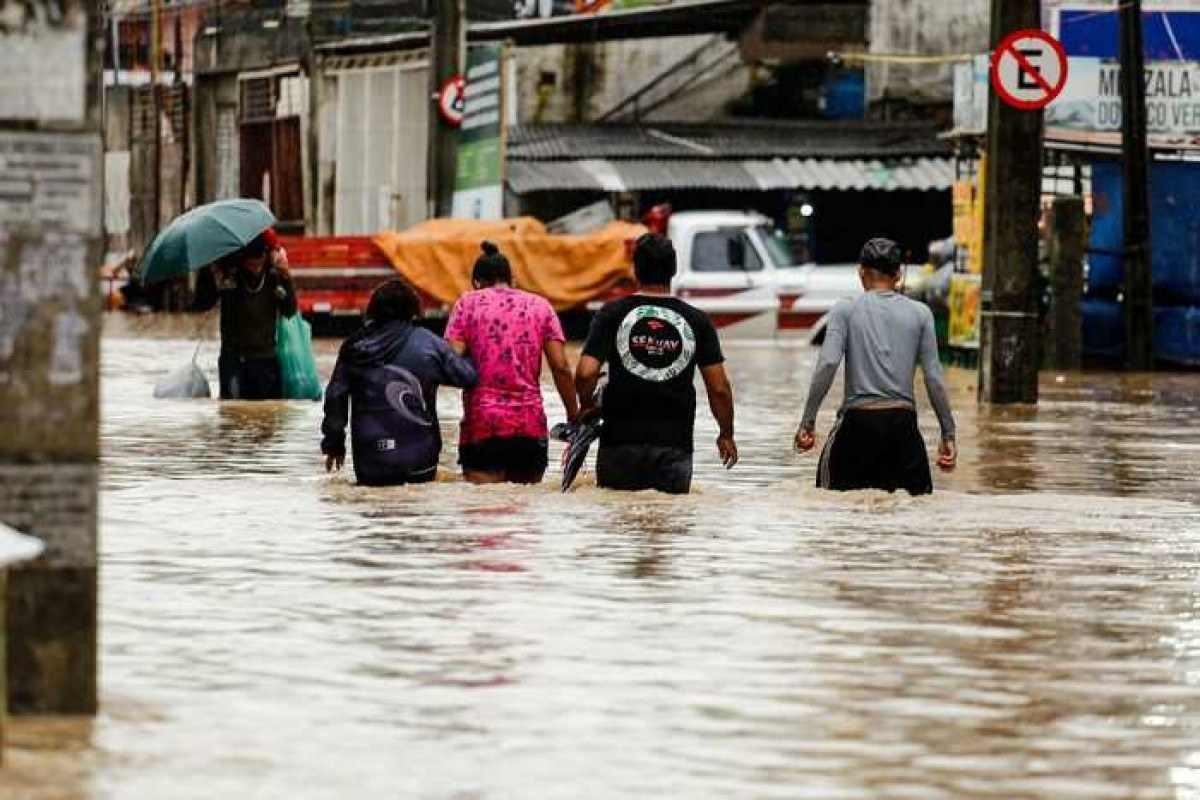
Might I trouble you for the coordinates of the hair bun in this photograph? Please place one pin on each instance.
(490, 248)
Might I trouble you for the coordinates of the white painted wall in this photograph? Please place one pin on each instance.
(619, 69)
(381, 130)
(927, 27)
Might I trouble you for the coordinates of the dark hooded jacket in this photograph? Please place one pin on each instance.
(389, 375)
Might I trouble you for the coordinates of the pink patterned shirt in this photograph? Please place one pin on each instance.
(505, 331)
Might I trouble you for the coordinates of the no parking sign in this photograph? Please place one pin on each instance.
(1029, 69)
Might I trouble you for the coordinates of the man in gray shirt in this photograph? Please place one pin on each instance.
(882, 336)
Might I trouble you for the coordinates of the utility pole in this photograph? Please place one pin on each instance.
(447, 58)
(1068, 243)
(156, 95)
(116, 47)
(184, 108)
(1135, 157)
(1009, 353)
(51, 220)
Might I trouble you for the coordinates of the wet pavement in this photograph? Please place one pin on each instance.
(1031, 630)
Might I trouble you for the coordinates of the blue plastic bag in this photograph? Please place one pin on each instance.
(297, 367)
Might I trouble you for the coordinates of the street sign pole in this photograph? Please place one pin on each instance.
(1009, 347)
(1135, 157)
(446, 60)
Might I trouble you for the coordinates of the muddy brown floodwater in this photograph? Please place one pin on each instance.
(1032, 630)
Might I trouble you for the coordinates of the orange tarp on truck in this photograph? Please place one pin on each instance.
(569, 271)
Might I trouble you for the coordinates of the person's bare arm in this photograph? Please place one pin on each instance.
(832, 353)
(720, 401)
(587, 378)
(560, 369)
(939, 397)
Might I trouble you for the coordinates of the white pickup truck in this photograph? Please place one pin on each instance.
(735, 267)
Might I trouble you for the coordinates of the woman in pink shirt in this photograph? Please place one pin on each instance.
(505, 331)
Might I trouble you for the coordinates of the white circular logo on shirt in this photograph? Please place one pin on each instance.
(655, 343)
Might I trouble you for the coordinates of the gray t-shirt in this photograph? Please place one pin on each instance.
(883, 336)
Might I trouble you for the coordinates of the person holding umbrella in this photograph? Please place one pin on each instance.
(250, 280)
(253, 287)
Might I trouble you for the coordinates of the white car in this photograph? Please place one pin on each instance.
(734, 266)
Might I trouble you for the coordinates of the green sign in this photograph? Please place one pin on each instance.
(479, 181)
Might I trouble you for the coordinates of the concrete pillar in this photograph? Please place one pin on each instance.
(51, 245)
(14, 548)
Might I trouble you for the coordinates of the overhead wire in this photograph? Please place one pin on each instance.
(904, 58)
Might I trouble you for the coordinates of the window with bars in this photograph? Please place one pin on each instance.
(271, 97)
(258, 97)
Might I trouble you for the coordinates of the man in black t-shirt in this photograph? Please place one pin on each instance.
(652, 344)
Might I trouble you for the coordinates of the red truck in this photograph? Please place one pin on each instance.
(335, 275)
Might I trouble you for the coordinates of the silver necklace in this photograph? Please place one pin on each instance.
(261, 283)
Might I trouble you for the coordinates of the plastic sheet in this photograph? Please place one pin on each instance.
(569, 271)
(1177, 335)
(1176, 332)
(1174, 232)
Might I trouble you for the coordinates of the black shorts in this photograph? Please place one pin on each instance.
(520, 459)
(637, 467)
(875, 449)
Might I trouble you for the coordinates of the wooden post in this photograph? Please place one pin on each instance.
(1068, 241)
(1009, 353)
(1135, 157)
(447, 58)
(51, 226)
(156, 93)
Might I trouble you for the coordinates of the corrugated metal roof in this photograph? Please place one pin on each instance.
(534, 176)
(676, 174)
(760, 140)
(601, 175)
(920, 174)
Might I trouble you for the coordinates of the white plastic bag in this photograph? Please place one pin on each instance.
(186, 382)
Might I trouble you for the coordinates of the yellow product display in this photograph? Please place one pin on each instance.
(569, 271)
(975, 255)
(964, 213)
(964, 311)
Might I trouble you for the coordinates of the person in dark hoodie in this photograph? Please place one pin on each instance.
(385, 383)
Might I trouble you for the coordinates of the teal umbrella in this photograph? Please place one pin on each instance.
(203, 235)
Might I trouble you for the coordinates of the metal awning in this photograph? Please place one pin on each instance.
(680, 18)
(811, 174)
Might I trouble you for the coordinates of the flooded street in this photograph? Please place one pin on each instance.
(1031, 630)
